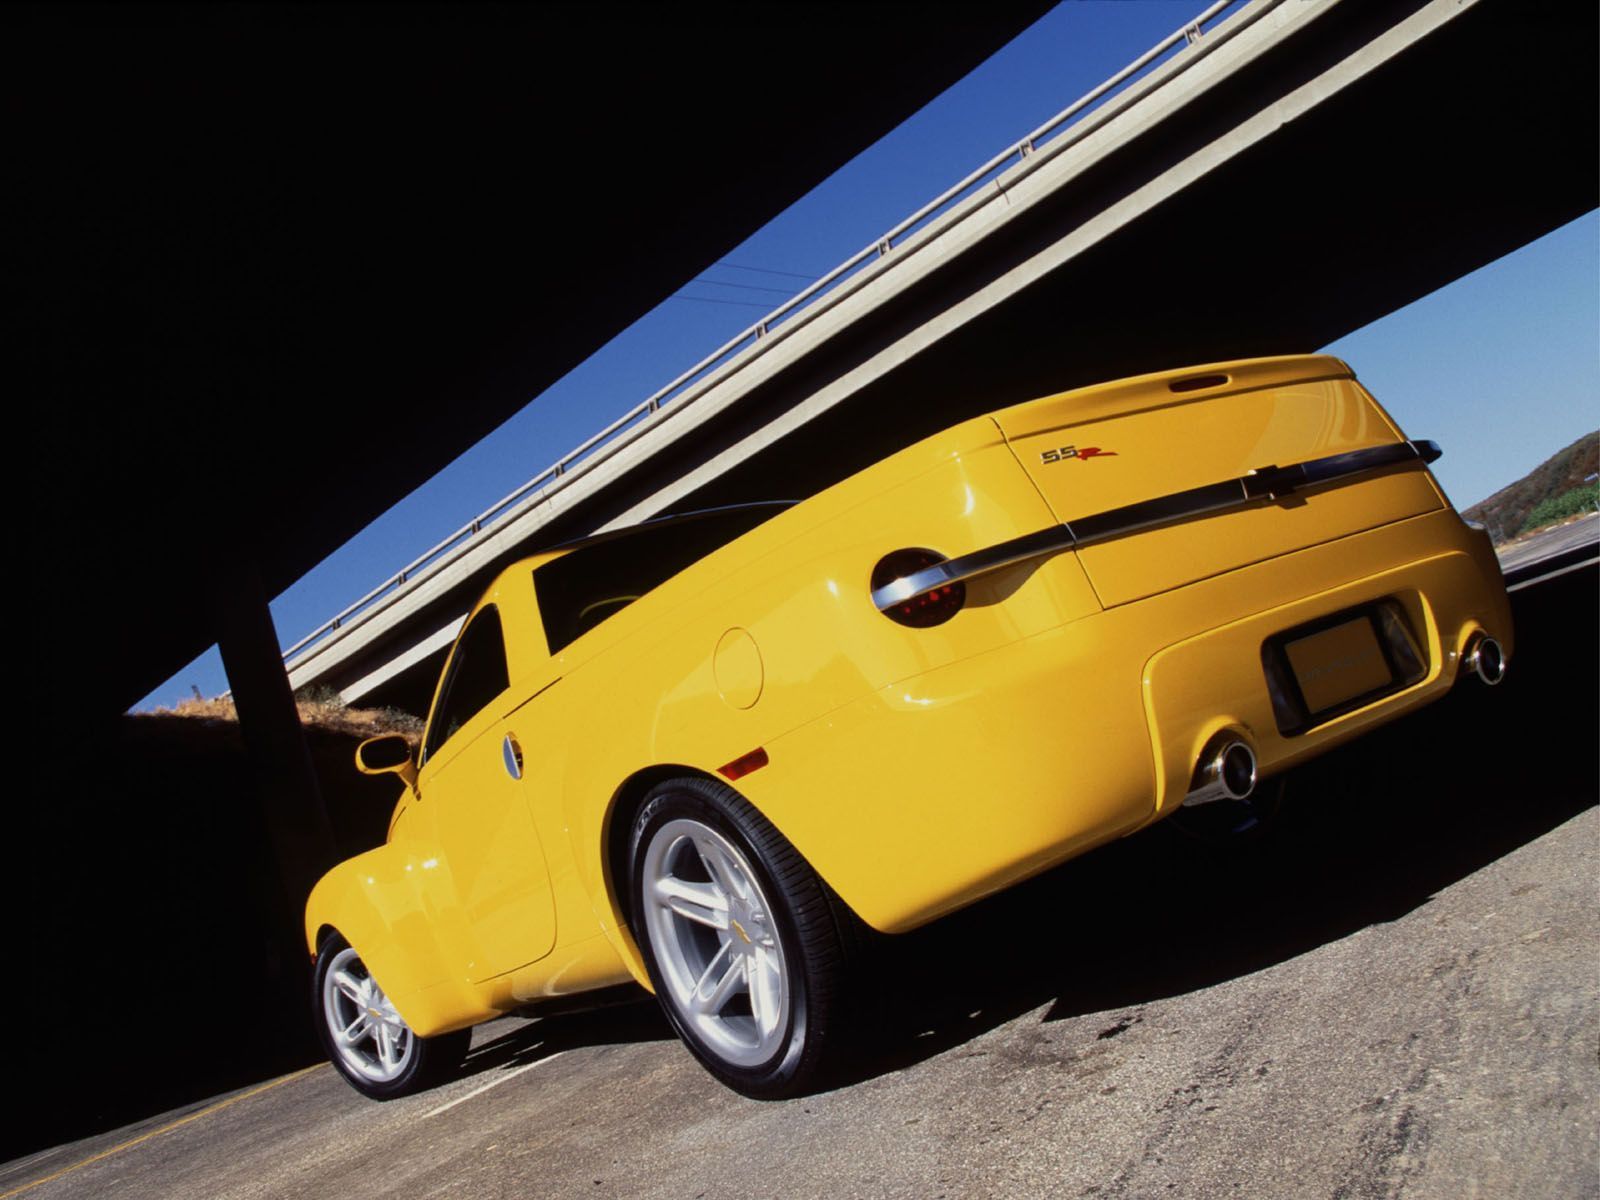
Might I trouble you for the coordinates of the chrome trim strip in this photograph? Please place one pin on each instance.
(1263, 483)
(979, 562)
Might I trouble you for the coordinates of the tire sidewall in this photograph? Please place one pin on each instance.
(410, 1079)
(701, 801)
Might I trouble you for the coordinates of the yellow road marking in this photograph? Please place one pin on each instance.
(155, 1133)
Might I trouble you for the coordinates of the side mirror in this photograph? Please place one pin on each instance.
(387, 754)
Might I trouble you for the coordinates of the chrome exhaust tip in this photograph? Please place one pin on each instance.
(1227, 771)
(1486, 659)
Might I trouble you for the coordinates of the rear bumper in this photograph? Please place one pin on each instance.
(1214, 681)
(952, 784)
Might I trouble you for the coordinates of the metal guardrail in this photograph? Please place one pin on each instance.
(744, 346)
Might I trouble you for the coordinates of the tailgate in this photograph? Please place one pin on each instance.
(1140, 441)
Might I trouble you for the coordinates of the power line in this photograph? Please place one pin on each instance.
(745, 287)
(709, 300)
(765, 270)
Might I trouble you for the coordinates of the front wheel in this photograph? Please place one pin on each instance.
(364, 1035)
(744, 944)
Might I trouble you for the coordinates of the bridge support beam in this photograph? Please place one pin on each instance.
(292, 807)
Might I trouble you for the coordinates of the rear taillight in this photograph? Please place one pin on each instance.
(919, 612)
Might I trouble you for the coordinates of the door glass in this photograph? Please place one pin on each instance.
(476, 675)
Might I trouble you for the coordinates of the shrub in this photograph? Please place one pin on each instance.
(1568, 504)
(319, 694)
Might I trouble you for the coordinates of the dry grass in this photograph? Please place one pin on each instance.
(324, 714)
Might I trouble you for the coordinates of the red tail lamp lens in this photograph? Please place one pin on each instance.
(920, 612)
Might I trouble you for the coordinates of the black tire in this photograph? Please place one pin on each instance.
(777, 1035)
(385, 1059)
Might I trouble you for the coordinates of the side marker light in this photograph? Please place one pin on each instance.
(743, 765)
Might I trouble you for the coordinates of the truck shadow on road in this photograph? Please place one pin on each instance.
(1366, 835)
(630, 1015)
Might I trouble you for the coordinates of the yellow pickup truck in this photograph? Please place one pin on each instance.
(703, 752)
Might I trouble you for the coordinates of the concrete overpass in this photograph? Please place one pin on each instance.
(281, 263)
(278, 264)
(1293, 172)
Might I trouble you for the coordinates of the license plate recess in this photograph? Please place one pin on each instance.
(1330, 666)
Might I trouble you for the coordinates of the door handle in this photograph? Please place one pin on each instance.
(511, 753)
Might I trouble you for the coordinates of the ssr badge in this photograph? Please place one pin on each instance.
(1066, 452)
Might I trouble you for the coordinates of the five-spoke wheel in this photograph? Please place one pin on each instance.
(364, 1034)
(716, 942)
(367, 1032)
(741, 939)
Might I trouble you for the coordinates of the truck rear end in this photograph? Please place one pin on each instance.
(1274, 570)
(1284, 484)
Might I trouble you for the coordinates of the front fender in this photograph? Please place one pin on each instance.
(373, 901)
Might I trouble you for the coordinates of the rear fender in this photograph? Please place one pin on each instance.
(796, 596)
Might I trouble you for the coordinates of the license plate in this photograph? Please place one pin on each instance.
(1338, 665)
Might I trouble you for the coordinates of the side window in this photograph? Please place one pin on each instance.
(477, 674)
(595, 581)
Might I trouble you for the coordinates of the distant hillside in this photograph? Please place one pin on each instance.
(1507, 510)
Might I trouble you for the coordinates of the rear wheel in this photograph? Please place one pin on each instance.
(364, 1035)
(745, 945)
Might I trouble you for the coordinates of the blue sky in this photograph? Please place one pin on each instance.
(1502, 367)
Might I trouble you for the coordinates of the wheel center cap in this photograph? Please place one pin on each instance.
(739, 929)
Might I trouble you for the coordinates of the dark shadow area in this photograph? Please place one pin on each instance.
(1367, 834)
(293, 260)
(157, 959)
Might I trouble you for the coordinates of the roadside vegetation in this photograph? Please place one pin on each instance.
(1555, 490)
(1584, 499)
(319, 707)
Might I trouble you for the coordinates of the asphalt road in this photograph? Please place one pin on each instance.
(1548, 543)
(1448, 1052)
(1393, 993)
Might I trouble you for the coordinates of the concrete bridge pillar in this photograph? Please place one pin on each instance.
(293, 812)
